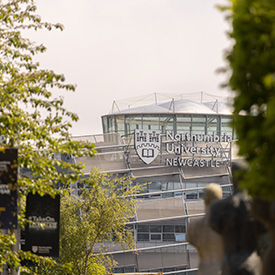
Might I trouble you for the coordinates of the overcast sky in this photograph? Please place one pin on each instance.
(116, 49)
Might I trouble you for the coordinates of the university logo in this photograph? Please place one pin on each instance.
(34, 248)
(147, 144)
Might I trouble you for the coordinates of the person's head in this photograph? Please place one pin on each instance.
(212, 192)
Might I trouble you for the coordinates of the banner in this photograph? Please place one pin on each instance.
(8, 188)
(42, 231)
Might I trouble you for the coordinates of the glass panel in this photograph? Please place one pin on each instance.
(168, 237)
(120, 125)
(212, 125)
(178, 194)
(143, 228)
(191, 195)
(226, 126)
(111, 124)
(179, 228)
(132, 123)
(191, 185)
(183, 124)
(155, 228)
(155, 186)
(166, 123)
(143, 237)
(163, 186)
(155, 237)
(168, 195)
(177, 185)
(170, 185)
(202, 184)
(180, 237)
(105, 124)
(198, 124)
(168, 228)
(150, 122)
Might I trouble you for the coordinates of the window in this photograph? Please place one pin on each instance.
(213, 125)
(143, 228)
(155, 228)
(183, 124)
(155, 186)
(142, 237)
(150, 122)
(120, 125)
(143, 232)
(199, 125)
(226, 126)
(105, 124)
(111, 124)
(155, 237)
(168, 228)
(180, 228)
(132, 123)
(166, 123)
(168, 237)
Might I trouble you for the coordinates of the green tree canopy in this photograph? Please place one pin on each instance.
(252, 66)
(31, 118)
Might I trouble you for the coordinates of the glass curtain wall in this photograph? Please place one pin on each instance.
(180, 123)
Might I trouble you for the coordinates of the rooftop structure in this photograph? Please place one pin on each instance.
(178, 114)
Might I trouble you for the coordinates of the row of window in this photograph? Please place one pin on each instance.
(161, 228)
(194, 124)
(166, 186)
(169, 269)
(161, 233)
(161, 237)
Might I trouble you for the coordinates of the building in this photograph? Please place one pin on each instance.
(176, 146)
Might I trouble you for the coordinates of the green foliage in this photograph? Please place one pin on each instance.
(91, 222)
(31, 118)
(252, 64)
(6, 254)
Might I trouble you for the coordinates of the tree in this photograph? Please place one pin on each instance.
(252, 68)
(31, 119)
(91, 222)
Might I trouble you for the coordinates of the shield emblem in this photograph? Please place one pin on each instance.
(34, 248)
(147, 144)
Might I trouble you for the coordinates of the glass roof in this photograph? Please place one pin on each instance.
(185, 106)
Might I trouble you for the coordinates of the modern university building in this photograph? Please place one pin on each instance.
(176, 145)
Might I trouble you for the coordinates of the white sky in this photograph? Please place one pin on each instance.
(117, 49)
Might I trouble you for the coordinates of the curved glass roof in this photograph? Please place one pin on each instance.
(184, 106)
(149, 109)
(187, 106)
